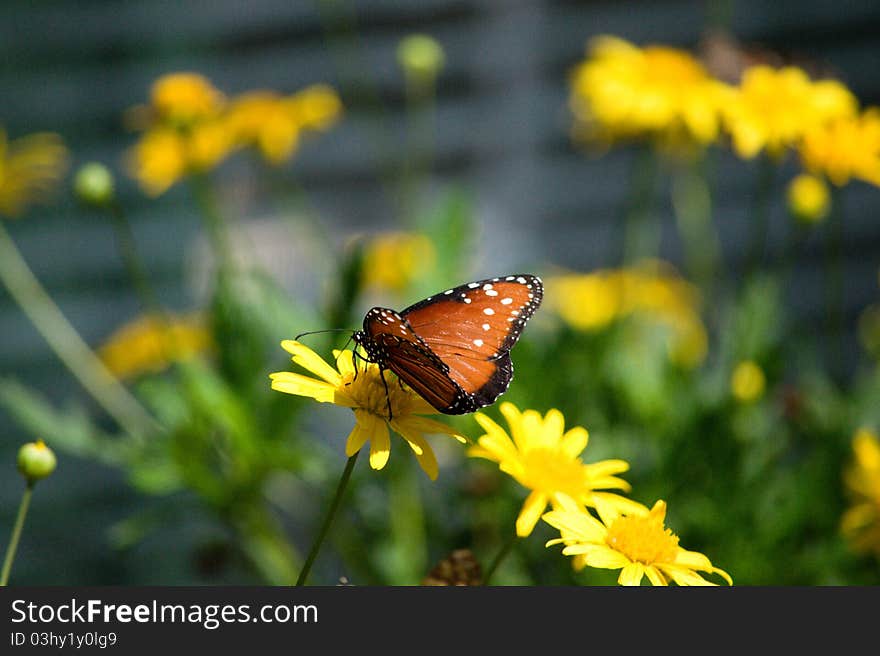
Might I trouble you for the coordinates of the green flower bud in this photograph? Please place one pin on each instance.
(35, 461)
(420, 56)
(93, 184)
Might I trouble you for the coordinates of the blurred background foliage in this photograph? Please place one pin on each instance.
(711, 283)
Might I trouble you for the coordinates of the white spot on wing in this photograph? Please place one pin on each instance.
(489, 311)
(487, 286)
(478, 342)
(491, 292)
(473, 285)
(486, 326)
(506, 301)
(521, 280)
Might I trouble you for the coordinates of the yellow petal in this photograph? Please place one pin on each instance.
(380, 442)
(605, 558)
(575, 441)
(655, 576)
(606, 468)
(552, 428)
(345, 363)
(311, 361)
(623, 505)
(631, 575)
(684, 576)
(692, 560)
(431, 426)
(359, 434)
(291, 383)
(424, 452)
(534, 505)
(578, 525)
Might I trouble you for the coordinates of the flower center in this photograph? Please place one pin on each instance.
(370, 393)
(642, 539)
(551, 470)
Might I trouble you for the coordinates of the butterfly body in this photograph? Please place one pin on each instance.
(453, 348)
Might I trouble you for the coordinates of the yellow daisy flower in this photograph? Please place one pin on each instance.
(544, 458)
(860, 523)
(848, 147)
(30, 167)
(364, 392)
(635, 542)
(621, 90)
(774, 108)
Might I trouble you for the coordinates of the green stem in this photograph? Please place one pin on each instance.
(692, 204)
(506, 548)
(328, 519)
(761, 211)
(215, 224)
(420, 97)
(16, 534)
(834, 276)
(133, 263)
(641, 232)
(65, 341)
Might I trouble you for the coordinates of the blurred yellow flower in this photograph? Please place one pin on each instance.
(393, 260)
(773, 108)
(621, 90)
(190, 126)
(207, 144)
(808, 198)
(273, 123)
(316, 107)
(363, 391)
(158, 160)
(636, 542)
(848, 147)
(747, 382)
(30, 168)
(545, 458)
(149, 344)
(653, 289)
(860, 523)
(184, 97)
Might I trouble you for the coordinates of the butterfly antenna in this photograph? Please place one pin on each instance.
(326, 330)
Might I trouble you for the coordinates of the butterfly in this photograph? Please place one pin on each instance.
(453, 348)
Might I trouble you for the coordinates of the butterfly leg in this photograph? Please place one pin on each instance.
(355, 356)
(387, 395)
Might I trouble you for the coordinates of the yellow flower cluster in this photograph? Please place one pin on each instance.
(621, 91)
(653, 289)
(149, 344)
(191, 126)
(30, 168)
(546, 459)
